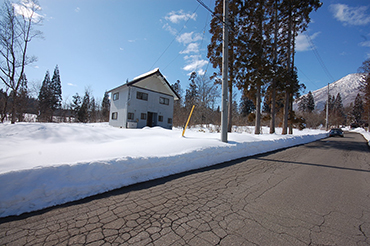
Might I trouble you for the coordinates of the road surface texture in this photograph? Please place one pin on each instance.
(314, 194)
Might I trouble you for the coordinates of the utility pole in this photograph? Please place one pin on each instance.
(327, 111)
(224, 74)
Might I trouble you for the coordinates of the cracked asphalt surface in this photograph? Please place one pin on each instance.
(313, 194)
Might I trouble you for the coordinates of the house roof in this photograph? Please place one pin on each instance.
(136, 81)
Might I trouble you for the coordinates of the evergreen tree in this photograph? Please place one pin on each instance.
(338, 111)
(75, 105)
(216, 45)
(83, 114)
(365, 89)
(56, 91)
(310, 102)
(22, 100)
(180, 115)
(45, 99)
(358, 108)
(50, 96)
(105, 107)
(191, 94)
(302, 104)
(246, 106)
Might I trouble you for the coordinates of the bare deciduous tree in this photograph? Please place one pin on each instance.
(16, 32)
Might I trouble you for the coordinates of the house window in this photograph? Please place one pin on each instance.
(114, 115)
(142, 96)
(160, 118)
(164, 101)
(130, 116)
(115, 96)
(169, 121)
(143, 116)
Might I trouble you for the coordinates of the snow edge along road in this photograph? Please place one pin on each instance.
(34, 189)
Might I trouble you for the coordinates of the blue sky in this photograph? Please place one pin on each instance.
(100, 44)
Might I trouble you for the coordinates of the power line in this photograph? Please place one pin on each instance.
(177, 35)
(215, 15)
(319, 58)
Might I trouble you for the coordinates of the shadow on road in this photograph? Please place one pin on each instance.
(348, 143)
(313, 164)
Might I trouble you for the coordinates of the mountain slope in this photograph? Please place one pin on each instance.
(348, 87)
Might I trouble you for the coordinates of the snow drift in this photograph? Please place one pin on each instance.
(46, 164)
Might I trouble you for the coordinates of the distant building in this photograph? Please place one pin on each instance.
(147, 100)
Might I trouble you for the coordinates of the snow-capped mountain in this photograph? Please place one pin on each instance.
(348, 87)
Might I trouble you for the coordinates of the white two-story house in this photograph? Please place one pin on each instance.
(147, 100)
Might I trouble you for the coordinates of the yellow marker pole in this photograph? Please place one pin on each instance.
(191, 112)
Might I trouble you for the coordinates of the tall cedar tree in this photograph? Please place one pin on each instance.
(310, 102)
(338, 111)
(191, 94)
(365, 88)
(45, 99)
(50, 96)
(16, 32)
(261, 45)
(295, 16)
(256, 51)
(22, 99)
(358, 109)
(105, 107)
(302, 104)
(56, 90)
(179, 116)
(215, 47)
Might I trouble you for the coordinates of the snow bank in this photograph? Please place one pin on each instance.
(364, 133)
(49, 164)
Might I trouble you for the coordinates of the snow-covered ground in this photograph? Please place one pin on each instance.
(45, 164)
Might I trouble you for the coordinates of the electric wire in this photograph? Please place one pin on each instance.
(318, 57)
(176, 36)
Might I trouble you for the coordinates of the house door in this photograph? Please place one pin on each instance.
(152, 119)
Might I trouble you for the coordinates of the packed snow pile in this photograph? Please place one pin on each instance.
(46, 164)
(364, 133)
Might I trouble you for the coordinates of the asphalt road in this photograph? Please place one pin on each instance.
(314, 194)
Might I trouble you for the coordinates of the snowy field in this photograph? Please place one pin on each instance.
(46, 164)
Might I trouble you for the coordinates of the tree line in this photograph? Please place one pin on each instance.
(48, 106)
(261, 64)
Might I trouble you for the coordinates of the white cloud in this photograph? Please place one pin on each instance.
(365, 44)
(77, 9)
(27, 8)
(120, 48)
(195, 63)
(177, 16)
(201, 72)
(350, 15)
(172, 30)
(188, 37)
(70, 84)
(302, 43)
(192, 47)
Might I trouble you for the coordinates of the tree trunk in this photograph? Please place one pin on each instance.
(291, 118)
(273, 93)
(288, 89)
(230, 106)
(14, 116)
(286, 113)
(273, 103)
(257, 128)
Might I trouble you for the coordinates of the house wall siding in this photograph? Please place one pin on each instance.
(119, 106)
(138, 106)
(128, 103)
